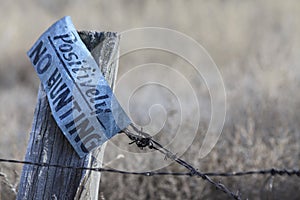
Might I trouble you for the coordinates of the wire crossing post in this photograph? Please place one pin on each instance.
(48, 144)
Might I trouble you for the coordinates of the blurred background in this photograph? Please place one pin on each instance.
(256, 46)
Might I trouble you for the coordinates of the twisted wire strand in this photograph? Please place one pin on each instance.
(143, 140)
(272, 171)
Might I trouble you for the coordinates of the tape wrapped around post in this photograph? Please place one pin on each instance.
(82, 103)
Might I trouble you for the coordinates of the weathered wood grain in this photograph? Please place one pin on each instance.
(48, 144)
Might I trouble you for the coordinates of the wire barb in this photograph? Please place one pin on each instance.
(143, 139)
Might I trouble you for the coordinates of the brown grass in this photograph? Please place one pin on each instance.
(256, 47)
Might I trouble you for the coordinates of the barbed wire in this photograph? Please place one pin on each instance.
(272, 171)
(143, 140)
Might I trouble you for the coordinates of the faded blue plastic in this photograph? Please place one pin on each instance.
(81, 101)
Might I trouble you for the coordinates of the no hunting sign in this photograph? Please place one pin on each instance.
(81, 101)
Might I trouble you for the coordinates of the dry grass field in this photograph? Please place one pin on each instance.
(256, 46)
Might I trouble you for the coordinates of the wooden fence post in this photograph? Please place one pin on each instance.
(48, 144)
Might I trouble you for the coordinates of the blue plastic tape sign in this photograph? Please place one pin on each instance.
(81, 101)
